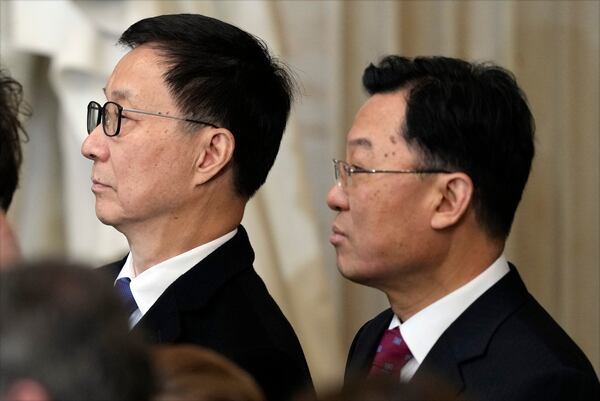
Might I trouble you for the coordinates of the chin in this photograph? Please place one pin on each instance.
(367, 271)
(106, 217)
(105, 220)
(354, 273)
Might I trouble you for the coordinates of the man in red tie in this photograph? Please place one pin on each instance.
(436, 162)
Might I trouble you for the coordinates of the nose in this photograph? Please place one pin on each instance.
(94, 147)
(337, 199)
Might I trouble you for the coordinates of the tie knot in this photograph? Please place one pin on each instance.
(392, 354)
(123, 288)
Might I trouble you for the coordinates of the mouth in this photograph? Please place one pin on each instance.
(337, 235)
(98, 186)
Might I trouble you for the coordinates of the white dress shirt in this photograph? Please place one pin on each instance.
(151, 283)
(422, 330)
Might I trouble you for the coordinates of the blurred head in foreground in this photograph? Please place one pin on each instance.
(193, 373)
(64, 336)
(387, 388)
(11, 107)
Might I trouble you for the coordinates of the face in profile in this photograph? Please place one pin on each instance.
(380, 230)
(145, 173)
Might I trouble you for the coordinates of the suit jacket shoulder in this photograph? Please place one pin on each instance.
(505, 346)
(112, 270)
(222, 304)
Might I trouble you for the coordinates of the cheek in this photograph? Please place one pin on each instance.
(140, 171)
(382, 219)
(371, 220)
(375, 209)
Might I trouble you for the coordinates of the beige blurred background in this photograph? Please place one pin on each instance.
(63, 52)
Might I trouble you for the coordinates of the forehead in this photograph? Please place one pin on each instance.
(378, 123)
(138, 78)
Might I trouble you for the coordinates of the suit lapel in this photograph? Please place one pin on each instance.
(194, 289)
(161, 323)
(365, 345)
(468, 336)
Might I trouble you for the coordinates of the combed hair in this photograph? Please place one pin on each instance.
(218, 73)
(469, 117)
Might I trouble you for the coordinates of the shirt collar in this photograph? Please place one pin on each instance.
(422, 330)
(148, 286)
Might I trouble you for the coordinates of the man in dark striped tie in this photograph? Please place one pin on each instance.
(192, 122)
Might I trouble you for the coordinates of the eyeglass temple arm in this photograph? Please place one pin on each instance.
(171, 117)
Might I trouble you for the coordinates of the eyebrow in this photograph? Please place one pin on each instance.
(360, 142)
(118, 94)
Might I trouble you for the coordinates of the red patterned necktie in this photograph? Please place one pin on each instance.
(392, 354)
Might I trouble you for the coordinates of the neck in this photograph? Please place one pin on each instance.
(462, 262)
(156, 240)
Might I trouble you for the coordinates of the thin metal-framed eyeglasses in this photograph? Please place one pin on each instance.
(111, 113)
(344, 171)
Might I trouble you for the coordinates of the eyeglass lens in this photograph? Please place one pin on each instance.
(93, 116)
(341, 174)
(111, 119)
(109, 115)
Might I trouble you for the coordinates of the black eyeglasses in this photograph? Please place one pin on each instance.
(344, 171)
(111, 113)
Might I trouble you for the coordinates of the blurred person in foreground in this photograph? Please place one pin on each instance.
(436, 163)
(193, 122)
(187, 372)
(11, 156)
(64, 336)
(386, 388)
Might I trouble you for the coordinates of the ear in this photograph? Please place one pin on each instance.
(216, 151)
(454, 194)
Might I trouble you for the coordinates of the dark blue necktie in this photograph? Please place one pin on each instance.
(124, 291)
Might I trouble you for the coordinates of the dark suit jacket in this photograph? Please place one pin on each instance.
(221, 303)
(505, 346)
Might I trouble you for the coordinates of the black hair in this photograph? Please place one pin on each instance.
(218, 73)
(11, 155)
(469, 117)
(63, 326)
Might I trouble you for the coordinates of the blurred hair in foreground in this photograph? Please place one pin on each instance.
(64, 336)
(192, 373)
